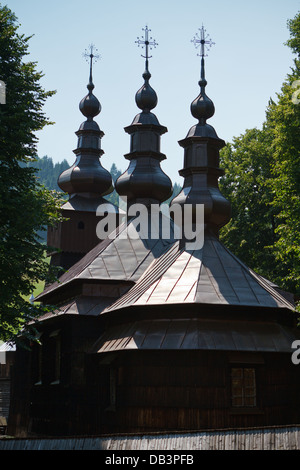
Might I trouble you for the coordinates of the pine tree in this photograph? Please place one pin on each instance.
(25, 206)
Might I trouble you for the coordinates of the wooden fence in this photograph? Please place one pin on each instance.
(271, 438)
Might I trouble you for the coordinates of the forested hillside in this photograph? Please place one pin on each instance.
(48, 172)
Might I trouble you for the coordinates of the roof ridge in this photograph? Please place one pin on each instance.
(140, 284)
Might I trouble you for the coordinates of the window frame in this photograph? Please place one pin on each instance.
(244, 397)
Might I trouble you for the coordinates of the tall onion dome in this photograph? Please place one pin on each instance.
(87, 177)
(201, 157)
(144, 181)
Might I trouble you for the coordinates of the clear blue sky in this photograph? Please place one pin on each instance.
(245, 67)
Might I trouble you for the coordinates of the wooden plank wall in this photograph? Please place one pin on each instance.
(5, 382)
(4, 397)
(276, 438)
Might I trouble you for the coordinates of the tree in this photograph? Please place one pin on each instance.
(251, 230)
(48, 172)
(113, 197)
(115, 173)
(283, 122)
(262, 181)
(25, 205)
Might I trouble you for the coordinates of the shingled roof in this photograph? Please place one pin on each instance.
(123, 256)
(210, 275)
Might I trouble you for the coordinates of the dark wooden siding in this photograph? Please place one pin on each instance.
(5, 385)
(155, 391)
(53, 407)
(179, 391)
(4, 397)
(69, 237)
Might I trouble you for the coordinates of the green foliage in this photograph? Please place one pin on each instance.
(48, 172)
(25, 205)
(247, 163)
(283, 122)
(262, 181)
(294, 41)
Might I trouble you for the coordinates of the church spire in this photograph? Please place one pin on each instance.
(202, 108)
(144, 180)
(146, 98)
(201, 156)
(91, 55)
(87, 177)
(90, 105)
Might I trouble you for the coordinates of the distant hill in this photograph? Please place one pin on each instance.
(48, 172)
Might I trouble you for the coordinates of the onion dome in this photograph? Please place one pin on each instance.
(90, 105)
(144, 180)
(202, 108)
(86, 176)
(146, 97)
(201, 158)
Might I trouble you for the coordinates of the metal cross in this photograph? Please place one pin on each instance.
(144, 41)
(202, 41)
(91, 56)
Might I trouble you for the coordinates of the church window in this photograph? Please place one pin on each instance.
(243, 387)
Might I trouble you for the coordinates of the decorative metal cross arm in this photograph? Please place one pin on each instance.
(146, 42)
(203, 41)
(90, 56)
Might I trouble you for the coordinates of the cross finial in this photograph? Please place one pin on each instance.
(90, 56)
(146, 42)
(203, 40)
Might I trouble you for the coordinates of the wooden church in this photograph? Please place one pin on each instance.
(148, 335)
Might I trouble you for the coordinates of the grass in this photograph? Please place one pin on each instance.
(40, 285)
(38, 288)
